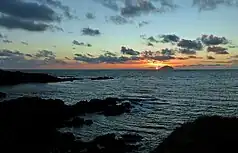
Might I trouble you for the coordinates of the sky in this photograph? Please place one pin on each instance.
(118, 34)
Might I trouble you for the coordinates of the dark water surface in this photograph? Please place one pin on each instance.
(168, 98)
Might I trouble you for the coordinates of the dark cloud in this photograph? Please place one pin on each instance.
(58, 4)
(91, 32)
(108, 53)
(27, 10)
(190, 44)
(45, 54)
(24, 43)
(167, 52)
(204, 5)
(2, 36)
(213, 40)
(90, 16)
(141, 7)
(157, 56)
(194, 57)
(102, 59)
(217, 50)
(152, 39)
(10, 22)
(128, 51)
(111, 4)
(7, 41)
(143, 23)
(67, 58)
(169, 38)
(9, 53)
(75, 42)
(162, 58)
(117, 19)
(187, 51)
(150, 44)
(211, 57)
(17, 59)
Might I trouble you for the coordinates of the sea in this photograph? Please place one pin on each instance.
(162, 100)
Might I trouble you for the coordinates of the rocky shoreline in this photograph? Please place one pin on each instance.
(33, 124)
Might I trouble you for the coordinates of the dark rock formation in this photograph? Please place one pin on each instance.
(2, 95)
(102, 78)
(166, 68)
(30, 125)
(205, 135)
(14, 78)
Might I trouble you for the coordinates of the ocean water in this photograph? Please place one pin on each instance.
(163, 100)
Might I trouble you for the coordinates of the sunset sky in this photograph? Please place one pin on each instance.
(109, 34)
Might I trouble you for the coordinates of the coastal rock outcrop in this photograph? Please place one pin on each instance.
(207, 134)
(30, 124)
(3, 95)
(17, 77)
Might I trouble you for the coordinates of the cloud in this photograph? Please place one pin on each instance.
(211, 57)
(107, 53)
(27, 10)
(190, 44)
(187, 51)
(75, 42)
(17, 59)
(152, 39)
(235, 56)
(67, 58)
(10, 22)
(167, 52)
(91, 32)
(169, 38)
(117, 19)
(58, 4)
(9, 53)
(143, 23)
(111, 4)
(157, 56)
(90, 16)
(7, 41)
(45, 54)
(194, 57)
(128, 51)
(102, 59)
(141, 7)
(150, 44)
(213, 40)
(217, 50)
(24, 43)
(204, 5)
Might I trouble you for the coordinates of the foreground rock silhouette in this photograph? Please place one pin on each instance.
(3, 95)
(205, 135)
(30, 124)
(17, 77)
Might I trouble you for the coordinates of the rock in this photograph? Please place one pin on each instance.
(131, 138)
(166, 68)
(2, 95)
(102, 78)
(30, 124)
(207, 134)
(14, 78)
(108, 107)
(115, 110)
(77, 122)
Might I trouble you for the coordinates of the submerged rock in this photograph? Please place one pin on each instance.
(17, 77)
(207, 134)
(3, 95)
(102, 78)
